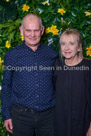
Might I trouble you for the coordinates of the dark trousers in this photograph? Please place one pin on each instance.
(25, 122)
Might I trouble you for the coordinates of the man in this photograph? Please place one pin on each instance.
(28, 97)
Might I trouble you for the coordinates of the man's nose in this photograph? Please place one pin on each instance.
(32, 33)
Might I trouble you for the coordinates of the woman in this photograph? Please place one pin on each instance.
(72, 82)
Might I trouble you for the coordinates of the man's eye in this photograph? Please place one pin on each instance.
(36, 30)
(28, 30)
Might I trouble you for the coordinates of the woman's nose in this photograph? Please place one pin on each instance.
(67, 47)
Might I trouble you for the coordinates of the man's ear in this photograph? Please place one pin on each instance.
(42, 32)
(21, 30)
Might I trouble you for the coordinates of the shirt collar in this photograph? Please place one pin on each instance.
(26, 47)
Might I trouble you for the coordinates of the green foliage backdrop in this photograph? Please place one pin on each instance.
(57, 15)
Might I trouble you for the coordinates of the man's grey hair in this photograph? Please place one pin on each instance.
(31, 14)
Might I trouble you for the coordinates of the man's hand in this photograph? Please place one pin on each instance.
(8, 125)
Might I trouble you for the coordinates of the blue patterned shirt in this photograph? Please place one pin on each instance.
(27, 79)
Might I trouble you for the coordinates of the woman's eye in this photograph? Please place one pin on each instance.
(62, 44)
(71, 43)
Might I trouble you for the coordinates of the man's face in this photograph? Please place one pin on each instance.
(32, 31)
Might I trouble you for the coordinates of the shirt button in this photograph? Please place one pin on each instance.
(35, 54)
(37, 96)
(36, 106)
(37, 85)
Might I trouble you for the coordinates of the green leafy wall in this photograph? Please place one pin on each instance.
(57, 15)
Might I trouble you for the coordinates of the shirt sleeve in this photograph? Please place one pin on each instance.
(6, 89)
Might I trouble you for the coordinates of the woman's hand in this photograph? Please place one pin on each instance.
(89, 131)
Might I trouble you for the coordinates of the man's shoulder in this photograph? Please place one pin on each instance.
(14, 50)
(50, 49)
(47, 47)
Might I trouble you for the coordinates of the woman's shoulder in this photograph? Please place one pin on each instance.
(86, 61)
(59, 61)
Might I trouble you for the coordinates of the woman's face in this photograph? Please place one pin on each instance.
(69, 46)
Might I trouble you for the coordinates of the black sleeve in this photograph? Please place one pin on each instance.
(89, 90)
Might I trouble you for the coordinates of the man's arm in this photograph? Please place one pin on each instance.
(6, 89)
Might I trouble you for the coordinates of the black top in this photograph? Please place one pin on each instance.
(72, 98)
